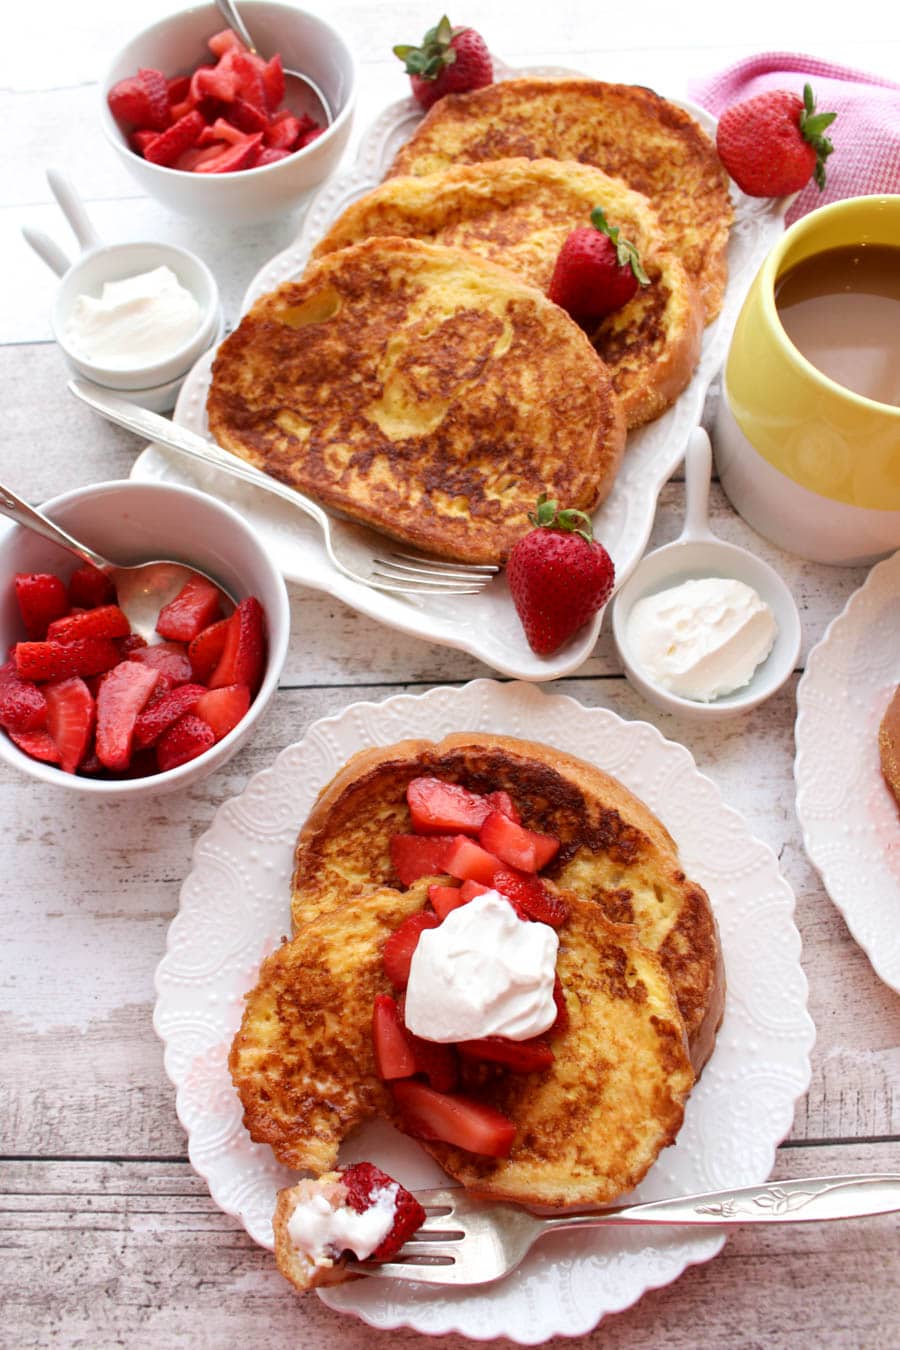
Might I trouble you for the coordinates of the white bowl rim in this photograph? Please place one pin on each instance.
(115, 136)
(276, 655)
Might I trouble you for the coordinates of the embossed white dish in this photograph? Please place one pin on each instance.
(235, 907)
(849, 819)
(487, 625)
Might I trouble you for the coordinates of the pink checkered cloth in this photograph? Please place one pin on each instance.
(865, 135)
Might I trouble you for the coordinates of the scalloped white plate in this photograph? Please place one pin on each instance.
(235, 907)
(849, 818)
(484, 625)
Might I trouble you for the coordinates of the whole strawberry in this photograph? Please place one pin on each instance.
(596, 271)
(559, 576)
(773, 144)
(449, 61)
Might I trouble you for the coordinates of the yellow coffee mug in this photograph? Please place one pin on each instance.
(810, 464)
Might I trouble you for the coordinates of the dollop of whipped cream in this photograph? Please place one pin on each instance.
(321, 1231)
(134, 322)
(482, 972)
(702, 639)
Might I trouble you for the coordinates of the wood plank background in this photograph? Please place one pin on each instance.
(108, 1237)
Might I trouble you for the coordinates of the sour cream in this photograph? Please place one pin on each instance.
(482, 972)
(321, 1232)
(135, 322)
(702, 639)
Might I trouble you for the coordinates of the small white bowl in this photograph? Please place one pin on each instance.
(176, 46)
(133, 522)
(698, 553)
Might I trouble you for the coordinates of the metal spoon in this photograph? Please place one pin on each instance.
(320, 109)
(141, 588)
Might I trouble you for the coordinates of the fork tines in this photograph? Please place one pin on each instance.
(433, 574)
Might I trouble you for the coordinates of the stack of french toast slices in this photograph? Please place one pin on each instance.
(639, 973)
(416, 377)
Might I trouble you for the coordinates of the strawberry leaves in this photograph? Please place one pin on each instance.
(812, 124)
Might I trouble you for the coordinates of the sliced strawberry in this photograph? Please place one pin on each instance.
(529, 894)
(89, 587)
(38, 744)
(23, 706)
(55, 660)
(223, 708)
(456, 1119)
(219, 43)
(469, 889)
(243, 156)
(243, 657)
(178, 88)
(268, 156)
(470, 862)
(249, 70)
(106, 621)
(139, 140)
(445, 898)
(206, 650)
(437, 807)
(561, 1025)
(162, 710)
(191, 159)
(437, 1062)
(308, 137)
(416, 855)
(120, 699)
(394, 1056)
(283, 132)
(520, 1056)
(132, 643)
(187, 739)
(169, 658)
(41, 598)
(220, 132)
(141, 100)
(247, 116)
(219, 82)
(524, 849)
(273, 82)
(362, 1182)
(195, 607)
(398, 949)
(502, 801)
(156, 87)
(71, 713)
(170, 144)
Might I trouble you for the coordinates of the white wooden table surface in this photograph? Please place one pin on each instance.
(108, 1237)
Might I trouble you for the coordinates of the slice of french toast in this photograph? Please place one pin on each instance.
(614, 852)
(588, 1127)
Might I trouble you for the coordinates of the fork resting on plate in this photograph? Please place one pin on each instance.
(359, 553)
(464, 1241)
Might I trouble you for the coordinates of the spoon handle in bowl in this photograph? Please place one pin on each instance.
(23, 514)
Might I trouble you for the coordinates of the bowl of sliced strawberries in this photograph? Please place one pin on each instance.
(88, 704)
(216, 131)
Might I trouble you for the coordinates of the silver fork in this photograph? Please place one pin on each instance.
(359, 553)
(464, 1241)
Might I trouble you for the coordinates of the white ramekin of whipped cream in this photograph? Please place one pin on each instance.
(136, 317)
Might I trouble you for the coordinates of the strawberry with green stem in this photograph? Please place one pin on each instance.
(596, 270)
(774, 143)
(449, 61)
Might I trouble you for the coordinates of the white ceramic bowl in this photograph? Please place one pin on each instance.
(177, 45)
(133, 522)
(698, 553)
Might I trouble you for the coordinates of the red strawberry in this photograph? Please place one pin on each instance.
(220, 132)
(525, 849)
(243, 657)
(247, 116)
(468, 861)
(139, 140)
(120, 699)
(141, 100)
(170, 144)
(398, 949)
(437, 1061)
(269, 155)
(41, 598)
(220, 42)
(162, 710)
(394, 1057)
(363, 1181)
(23, 706)
(449, 61)
(106, 621)
(414, 856)
(223, 708)
(89, 587)
(520, 1056)
(283, 132)
(187, 739)
(529, 894)
(194, 608)
(54, 660)
(71, 713)
(249, 71)
(442, 898)
(437, 807)
(558, 575)
(178, 88)
(169, 658)
(596, 272)
(38, 744)
(773, 144)
(205, 651)
(273, 79)
(242, 156)
(218, 82)
(454, 1118)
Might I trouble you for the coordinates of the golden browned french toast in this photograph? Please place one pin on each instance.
(421, 390)
(518, 213)
(614, 853)
(587, 1128)
(889, 744)
(630, 132)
